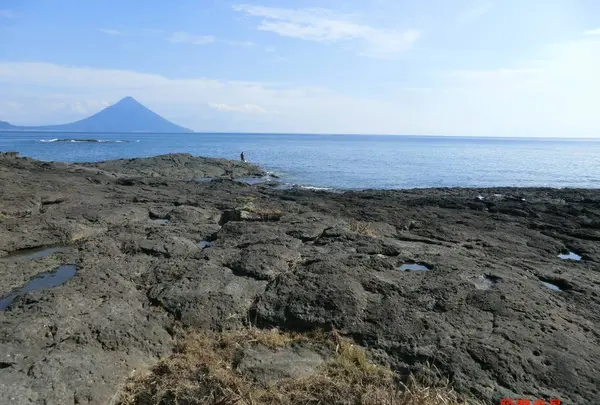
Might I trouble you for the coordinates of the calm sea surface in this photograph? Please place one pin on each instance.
(349, 161)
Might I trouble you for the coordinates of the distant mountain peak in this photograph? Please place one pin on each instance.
(128, 100)
(126, 115)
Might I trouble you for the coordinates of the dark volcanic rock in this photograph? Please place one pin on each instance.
(193, 215)
(321, 295)
(182, 166)
(264, 262)
(209, 297)
(133, 228)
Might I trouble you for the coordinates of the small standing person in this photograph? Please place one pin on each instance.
(243, 159)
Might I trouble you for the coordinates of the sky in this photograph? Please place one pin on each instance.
(523, 68)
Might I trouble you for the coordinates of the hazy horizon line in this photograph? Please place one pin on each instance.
(529, 137)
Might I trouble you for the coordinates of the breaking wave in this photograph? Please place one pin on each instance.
(86, 140)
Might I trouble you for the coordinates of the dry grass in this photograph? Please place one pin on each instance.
(201, 372)
(362, 228)
(244, 199)
(260, 213)
(266, 214)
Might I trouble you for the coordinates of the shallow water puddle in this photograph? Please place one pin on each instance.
(204, 179)
(41, 282)
(551, 286)
(36, 253)
(158, 220)
(204, 244)
(485, 282)
(555, 284)
(570, 256)
(255, 180)
(413, 267)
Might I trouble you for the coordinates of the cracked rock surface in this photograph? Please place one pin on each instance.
(298, 260)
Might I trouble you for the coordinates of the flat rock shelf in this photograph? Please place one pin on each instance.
(498, 313)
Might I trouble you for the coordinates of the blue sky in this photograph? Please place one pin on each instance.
(438, 67)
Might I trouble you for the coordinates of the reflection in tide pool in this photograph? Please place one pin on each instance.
(41, 282)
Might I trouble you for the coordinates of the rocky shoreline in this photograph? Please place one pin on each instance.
(156, 247)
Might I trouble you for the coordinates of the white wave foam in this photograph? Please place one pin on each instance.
(288, 186)
(85, 140)
(316, 188)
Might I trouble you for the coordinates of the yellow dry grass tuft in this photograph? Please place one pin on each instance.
(247, 210)
(362, 228)
(268, 214)
(201, 372)
(245, 199)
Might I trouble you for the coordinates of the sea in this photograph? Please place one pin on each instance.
(342, 162)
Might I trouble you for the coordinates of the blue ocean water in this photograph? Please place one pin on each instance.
(351, 161)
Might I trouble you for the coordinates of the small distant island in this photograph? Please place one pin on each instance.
(127, 115)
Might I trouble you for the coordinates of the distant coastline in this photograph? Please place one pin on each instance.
(56, 131)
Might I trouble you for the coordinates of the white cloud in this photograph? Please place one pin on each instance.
(88, 107)
(242, 44)
(185, 38)
(552, 93)
(593, 32)
(187, 101)
(50, 109)
(110, 31)
(7, 14)
(322, 25)
(245, 109)
(494, 74)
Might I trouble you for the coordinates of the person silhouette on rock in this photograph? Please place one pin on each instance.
(242, 158)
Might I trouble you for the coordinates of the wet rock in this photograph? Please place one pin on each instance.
(181, 166)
